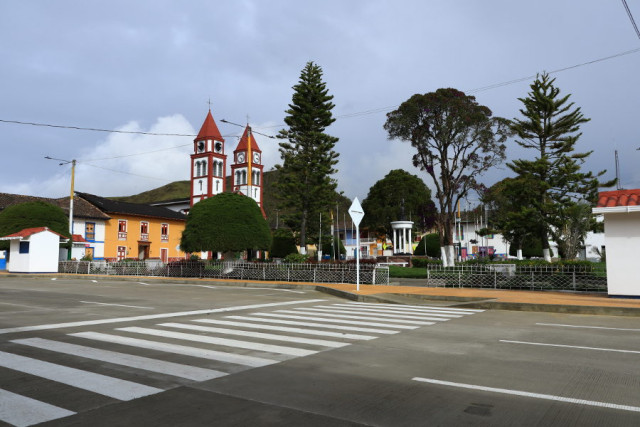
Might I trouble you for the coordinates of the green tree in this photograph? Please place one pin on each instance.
(338, 247)
(305, 184)
(284, 243)
(227, 222)
(29, 215)
(386, 198)
(429, 245)
(456, 140)
(550, 127)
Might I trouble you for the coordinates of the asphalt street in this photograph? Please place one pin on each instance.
(109, 352)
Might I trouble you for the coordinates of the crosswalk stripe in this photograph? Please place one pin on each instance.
(201, 353)
(286, 329)
(317, 325)
(347, 316)
(138, 362)
(417, 307)
(259, 335)
(97, 383)
(384, 313)
(313, 317)
(25, 411)
(399, 310)
(291, 351)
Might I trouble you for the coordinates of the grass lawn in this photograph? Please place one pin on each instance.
(407, 272)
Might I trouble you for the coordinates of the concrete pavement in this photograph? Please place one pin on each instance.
(411, 291)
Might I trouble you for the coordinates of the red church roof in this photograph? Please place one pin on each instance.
(29, 232)
(243, 145)
(209, 129)
(612, 199)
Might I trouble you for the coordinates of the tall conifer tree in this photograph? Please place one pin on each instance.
(550, 126)
(305, 185)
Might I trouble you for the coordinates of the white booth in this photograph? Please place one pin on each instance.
(34, 250)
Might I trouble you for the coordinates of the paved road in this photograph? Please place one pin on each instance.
(79, 352)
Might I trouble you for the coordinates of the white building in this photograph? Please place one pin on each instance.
(621, 211)
(34, 250)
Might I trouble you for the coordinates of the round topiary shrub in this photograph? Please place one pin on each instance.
(429, 245)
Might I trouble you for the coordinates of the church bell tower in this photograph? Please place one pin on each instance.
(246, 170)
(208, 162)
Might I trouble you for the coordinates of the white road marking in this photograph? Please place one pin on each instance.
(286, 329)
(150, 317)
(588, 327)
(346, 316)
(291, 351)
(101, 384)
(138, 362)
(533, 395)
(24, 411)
(94, 281)
(201, 353)
(206, 286)
(145, 284)
(318, 325)
(572, 346)
(249, 288)
(53, 278)
(116, 305)
(259, 335)
(344, 322)
(385, 313)
(400, 309)
(418, 307)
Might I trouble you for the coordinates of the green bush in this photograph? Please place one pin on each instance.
(283, 243)
(531, 248)
(424, 262)
(31, 215)
(296, 258)
(429, 245)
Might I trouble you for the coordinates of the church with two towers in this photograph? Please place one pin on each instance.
(209, 165)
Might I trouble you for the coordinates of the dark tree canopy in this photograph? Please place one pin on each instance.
(227, 222)
(550, 127)
(305, 184)
(284, 243)
(338, 247)
(386, 197)
(456, 140)
(29, 215)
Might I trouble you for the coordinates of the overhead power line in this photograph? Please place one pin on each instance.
(633, 22)
(355, 114)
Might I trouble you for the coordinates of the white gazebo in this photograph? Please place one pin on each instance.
(402, 237)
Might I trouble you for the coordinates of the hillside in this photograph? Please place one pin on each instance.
(181, 190)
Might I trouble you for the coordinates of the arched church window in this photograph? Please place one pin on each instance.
(204, 167)
(200, 182)
(237, 177)
(256, 178)
(197, 168)
(244, 177)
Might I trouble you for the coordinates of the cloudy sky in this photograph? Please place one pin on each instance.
(152, 66)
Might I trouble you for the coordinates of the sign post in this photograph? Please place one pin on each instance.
(356, 213)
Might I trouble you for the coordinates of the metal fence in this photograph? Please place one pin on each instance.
(317, 273)
(512, 276)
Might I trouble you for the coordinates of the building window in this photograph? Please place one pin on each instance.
(122, 229)
(90, 230)
(24, 248)
(164, 232)
(122, 253)
(244, 176)
(144, 230)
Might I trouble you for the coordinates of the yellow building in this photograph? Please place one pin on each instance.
(139, 231)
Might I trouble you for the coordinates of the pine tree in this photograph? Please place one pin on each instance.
(305, 185)
(550, 127)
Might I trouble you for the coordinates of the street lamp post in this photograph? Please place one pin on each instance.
(73, 173)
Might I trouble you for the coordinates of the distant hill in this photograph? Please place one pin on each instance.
(182, 190)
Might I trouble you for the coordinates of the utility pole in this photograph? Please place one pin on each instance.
(73, 175)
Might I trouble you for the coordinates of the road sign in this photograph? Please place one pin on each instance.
(356, 212)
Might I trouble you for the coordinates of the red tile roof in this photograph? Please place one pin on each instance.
(209, 129)
(31, 231)
(611, 199)
(243, 145)
(77, 238)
